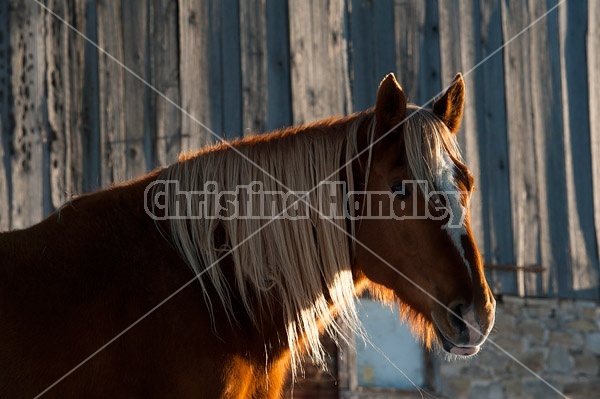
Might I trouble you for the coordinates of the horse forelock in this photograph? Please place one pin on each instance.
(431, 150)
(282, 262)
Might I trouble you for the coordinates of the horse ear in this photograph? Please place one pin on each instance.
(391, 102)
(449, 107)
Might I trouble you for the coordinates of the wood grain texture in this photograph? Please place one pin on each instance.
(408, 18)
(79, 123)
(28, 170)
(88, 97)
(521, 145)
(450, 43)
(373, 51)
(490, 99)
(73, 120)
(64, 83)
(253, 44)
(165, 121)
(279, 109)
(138, 155)
(6, 128)
(231, 69)
(113, 136)
(483, 136)
(194, 69)
(429, 77)
(59, 103)
(319, 72)
(544, 57)
(470, 50)
(583, 256)
(593, 72)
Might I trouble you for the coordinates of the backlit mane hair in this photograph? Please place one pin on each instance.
(303, 265)
(430, 147)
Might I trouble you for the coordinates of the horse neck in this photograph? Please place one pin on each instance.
(107, 214)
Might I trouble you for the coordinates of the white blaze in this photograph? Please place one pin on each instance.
(446, 183)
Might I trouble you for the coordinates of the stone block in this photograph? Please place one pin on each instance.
(582, 325)
(592, 314)
(513, 387)
(592, 342)
(531, 329)
(534, 360)
(559, 360)
(450, 369)
(586, 364)
(492, 390)
(583, 389)
(513, 300)
(573, 340)
(459, 386)
(586, 304)
(510, 342)
(564, 318)
(537, 389)
(504, 322)
(541, 302)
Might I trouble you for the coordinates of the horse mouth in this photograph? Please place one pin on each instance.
(453, 349)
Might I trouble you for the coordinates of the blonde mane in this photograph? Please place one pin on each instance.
(430, 147)
(302, 266)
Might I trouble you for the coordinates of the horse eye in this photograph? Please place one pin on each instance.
(400, 190)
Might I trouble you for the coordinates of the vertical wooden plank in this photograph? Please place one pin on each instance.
(450, 43)
(482, 139)
(418, 48)
(429, 77)
(253, 41)
(593, 71)
(232, 68)
(57, 72)
(409, 17)
(470, 48)
(111, 93)
(89, 97)
(279, 96)
(28, 66)
(194, 62)
(4, 198)
(362, 58)
(544, 58)
(490, 101)
(214, 72)
(135, 94)
(385, 46)
(64, 75)
(318, 51)
(583, 259)
(521, 144)
(373, 50)
(164, 74)
(5, 120)
(77, 111)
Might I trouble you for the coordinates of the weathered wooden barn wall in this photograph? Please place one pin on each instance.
(73, 119)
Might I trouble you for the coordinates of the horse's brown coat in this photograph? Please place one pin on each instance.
(73, 282)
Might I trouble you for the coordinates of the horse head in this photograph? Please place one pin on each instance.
(414, 242)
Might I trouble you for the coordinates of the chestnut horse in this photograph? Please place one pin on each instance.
(98, 300)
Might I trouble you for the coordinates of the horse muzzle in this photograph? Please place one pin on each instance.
(461, 333)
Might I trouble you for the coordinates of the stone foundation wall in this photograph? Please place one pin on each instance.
(557, 339)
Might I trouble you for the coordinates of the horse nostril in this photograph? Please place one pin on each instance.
(456, 321)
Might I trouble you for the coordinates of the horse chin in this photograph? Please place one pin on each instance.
(455, 350)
